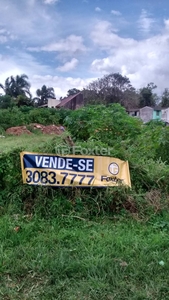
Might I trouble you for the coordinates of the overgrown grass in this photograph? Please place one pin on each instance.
(86, 243)
(29, 142)
(71, 258)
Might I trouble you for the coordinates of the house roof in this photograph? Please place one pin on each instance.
(67, 99)
(157, 107)
(44, 105)
(133, 109)
(149, 107)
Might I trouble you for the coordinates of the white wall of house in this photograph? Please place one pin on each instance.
(165, 115)
(146, 114)
(53, 103)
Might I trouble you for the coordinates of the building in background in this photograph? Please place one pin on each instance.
(135, 112)
(72, 102)
(147, 113)
(165, 114)
(52, 103)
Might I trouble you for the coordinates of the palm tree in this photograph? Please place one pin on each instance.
(6, 87)
(20, 85)
(44, 94)
(15, 86)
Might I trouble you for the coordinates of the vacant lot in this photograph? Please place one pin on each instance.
(66, 245)
(70, 258)
(27, 142)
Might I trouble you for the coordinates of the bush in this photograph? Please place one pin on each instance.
(24, 115)
(144, 146)
(108, 124)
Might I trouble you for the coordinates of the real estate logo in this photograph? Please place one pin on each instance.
(113, 168)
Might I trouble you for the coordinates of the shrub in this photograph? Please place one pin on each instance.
(108, 124)
(144, 146)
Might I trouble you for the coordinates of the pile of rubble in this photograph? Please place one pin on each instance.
(49, 129)
(18, 130)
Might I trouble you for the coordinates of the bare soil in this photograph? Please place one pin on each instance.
(49, 129)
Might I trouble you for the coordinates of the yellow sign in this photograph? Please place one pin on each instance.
(73, 170)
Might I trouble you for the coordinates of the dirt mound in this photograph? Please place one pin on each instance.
(18, 130)
(49, 129)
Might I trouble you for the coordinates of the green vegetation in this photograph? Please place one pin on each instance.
(17, 93)
(111, 88)
(66, 258)
(26, 115)
(25, 141)
(89, 243)
(43, 95)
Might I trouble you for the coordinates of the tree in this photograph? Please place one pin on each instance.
(130, 99)
(6, 101)
(22, 100)
(111, 88)
(103, 123)
(165, 98)
(72, 92)
(15, 86)
(43, 95)
(6, 87)
(147, 97)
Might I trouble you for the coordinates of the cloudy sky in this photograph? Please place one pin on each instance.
(68, 43)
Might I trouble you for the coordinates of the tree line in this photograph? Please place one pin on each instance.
(111, 88)
(17, 92)
(115, 88)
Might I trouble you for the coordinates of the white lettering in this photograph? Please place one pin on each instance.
(69, 164)
(38, 160)
(89, 165)
(81, 166)
(61, 163)
(45, 162)
(53, 163)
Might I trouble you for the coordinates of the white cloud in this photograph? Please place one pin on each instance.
(60, 84)
(2, 31)
(145, 22)
(22, 63)
(111, 39)
(73, 44)
(166, 22)
(68, 66)
(116, 12)
(5, 36)
(57, 37)
(30, 21)
(142, 61)
(50, 1)
(38, 74)
(8, 67)
(98, 9)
